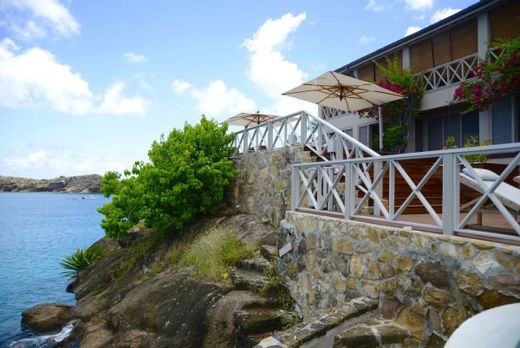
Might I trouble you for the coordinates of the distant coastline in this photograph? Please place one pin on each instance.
(79, 184)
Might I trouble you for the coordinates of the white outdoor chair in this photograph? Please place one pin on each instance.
(508, 195)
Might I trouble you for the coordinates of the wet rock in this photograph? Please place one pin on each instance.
(433, 272)
(411, 321)
(452, 318)
(490, 299)
(46, 317)
(389, 308)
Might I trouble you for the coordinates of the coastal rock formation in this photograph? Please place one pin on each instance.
(81, 184)
(46, 317)
(136, 297)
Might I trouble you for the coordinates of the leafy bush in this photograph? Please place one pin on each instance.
(186, 177)
(79, 260)
(212, 253)
(398, 115)
(478, 157)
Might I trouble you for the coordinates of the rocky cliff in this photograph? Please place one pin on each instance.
(136, 297)
(82, 183)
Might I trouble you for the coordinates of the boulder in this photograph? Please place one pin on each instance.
(46, 317)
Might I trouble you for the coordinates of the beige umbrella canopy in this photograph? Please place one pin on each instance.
(247, 119)
(346, 93)
(343, 92)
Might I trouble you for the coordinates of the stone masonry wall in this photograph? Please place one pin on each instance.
(426, 282)
(263, 186)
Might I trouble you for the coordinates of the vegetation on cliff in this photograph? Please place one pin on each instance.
(80, 259)
(212, 253)
(186, 177)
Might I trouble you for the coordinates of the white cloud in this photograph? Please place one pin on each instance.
(372, 5)
(287, 105)
(53, 164)
(30, 30)
(443, 13)
(34, 78)
(418, 5)
(49, 13)
(180, 86)
(268, 68)
(365, 39)
(115, 103)
(135, 58)
(216, 99)
(412, 30)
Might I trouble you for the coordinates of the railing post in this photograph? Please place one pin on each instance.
(304, 119)
(339, 148)
(295, 188)
(449, 196)
(246, 141)
(378, 167)
(350, 190)
(270, 136)
(391, 190)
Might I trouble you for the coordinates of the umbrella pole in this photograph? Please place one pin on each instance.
(380, 109)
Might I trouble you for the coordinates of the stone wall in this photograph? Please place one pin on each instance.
(426, 282)
(263, 186)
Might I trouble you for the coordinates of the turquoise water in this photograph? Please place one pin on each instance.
(36, 231)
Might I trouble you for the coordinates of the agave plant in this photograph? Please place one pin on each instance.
(79, 260)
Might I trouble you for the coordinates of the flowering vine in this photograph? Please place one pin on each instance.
(493, 80)
(398, 115)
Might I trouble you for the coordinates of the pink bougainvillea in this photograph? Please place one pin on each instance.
(492, 80)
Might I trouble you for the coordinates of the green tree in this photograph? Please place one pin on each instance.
(186, 176)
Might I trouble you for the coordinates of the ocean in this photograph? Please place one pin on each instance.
(36, 231)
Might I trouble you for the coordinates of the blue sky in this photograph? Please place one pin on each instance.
(86, 86)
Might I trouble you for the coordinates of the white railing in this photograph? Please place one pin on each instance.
(450, 73)
(326, 112)
(494, 53)
(365, 189)
(302, 129)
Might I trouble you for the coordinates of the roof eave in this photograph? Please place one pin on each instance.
(407, 40)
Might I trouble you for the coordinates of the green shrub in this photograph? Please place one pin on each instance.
(79, 260)
(212, 253)
(186, 176)
(478, 157)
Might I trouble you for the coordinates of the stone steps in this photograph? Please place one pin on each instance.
(372, 333)
(255, 264)
(270, 252)
(257, 319)
(320, 330)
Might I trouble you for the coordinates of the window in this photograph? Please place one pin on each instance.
(363, 135)
(470, 126)
(445, 123)
(435, 136)
(349, 132)
(502, 123)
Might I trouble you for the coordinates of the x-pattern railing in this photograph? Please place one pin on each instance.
(326, 112)
(303, 129)
(494, 53)
(365, 189)
(450, 73)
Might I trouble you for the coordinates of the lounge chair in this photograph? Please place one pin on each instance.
(508, 195)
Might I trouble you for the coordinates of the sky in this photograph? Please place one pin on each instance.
(87, 86)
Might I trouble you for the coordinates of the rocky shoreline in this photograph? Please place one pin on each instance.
(136, 297)
(79, 184)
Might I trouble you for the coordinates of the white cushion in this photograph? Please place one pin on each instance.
(484, 174)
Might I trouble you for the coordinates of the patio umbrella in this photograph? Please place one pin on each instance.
(345, 93)
(247, 119)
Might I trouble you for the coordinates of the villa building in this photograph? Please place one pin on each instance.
(444, 54)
